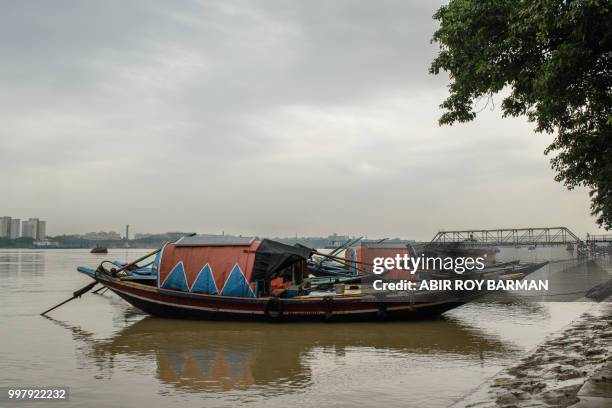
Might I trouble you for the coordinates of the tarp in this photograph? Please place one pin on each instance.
(213, 269)
(224, 268)
(273, 257)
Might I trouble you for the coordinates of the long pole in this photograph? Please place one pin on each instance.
(347, 244)
(85, 289)
(337, 258)
(89, 287)
(75, 295)
(99, 289)
(142, 258)
(342, 261)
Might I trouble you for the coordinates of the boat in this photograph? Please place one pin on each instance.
(570, 247)
(239, 278)
(98, 249)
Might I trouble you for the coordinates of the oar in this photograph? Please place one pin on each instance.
(89, 287)
(343, 261)
(347, 244)
(337, 258)
(142, 258)
(75, 295)
(341, 247)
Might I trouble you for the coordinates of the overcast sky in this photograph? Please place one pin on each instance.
(254, 117)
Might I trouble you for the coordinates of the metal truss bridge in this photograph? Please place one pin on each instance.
(510, 237)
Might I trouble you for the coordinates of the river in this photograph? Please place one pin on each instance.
(111, 355)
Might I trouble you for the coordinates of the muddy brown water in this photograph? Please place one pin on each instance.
(111, 355)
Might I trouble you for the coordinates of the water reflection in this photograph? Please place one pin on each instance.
(567, 280)
(197, 356)
(16, 262)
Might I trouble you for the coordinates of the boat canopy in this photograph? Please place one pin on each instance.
(224, 267)
(273, 258)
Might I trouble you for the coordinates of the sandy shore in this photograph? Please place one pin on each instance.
(554, 372)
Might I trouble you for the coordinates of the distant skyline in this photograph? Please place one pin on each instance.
(265, 118)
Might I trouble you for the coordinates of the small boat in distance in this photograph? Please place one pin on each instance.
(98, 249)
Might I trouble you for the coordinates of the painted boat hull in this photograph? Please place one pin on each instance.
(181, 305)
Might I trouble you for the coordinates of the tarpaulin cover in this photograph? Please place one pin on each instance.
(272, 257)
(217, 269)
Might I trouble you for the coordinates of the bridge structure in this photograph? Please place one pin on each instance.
(509, 237)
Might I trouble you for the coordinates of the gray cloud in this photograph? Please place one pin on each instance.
(261, 117)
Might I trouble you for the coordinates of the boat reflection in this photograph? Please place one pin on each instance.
(216, 356)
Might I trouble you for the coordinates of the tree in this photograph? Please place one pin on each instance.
(554, 58)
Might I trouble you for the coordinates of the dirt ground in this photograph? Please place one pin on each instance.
(554, 372)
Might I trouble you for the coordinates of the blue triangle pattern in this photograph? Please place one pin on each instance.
(204, 359)
(176, 279)
(237, 285)
(205, 282)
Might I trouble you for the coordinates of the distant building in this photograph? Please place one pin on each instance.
(5, 227)
(15, 231)
(28, 229)
(41, 230)
(103, 236)
(337, 240)
(34, 228)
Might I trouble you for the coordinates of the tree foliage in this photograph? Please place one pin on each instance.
(555, 59)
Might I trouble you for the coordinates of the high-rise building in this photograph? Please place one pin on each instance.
(32, 228)
(41, 230)
(28, 228)
(15, 231)
(5, 227)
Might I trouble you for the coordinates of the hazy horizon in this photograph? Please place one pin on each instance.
(256, 118)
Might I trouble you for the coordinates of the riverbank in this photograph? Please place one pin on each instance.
(558, 371)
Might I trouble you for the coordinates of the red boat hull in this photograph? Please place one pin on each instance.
(176, 304)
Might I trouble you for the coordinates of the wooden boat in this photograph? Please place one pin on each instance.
(218, 278)
(98, 249)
